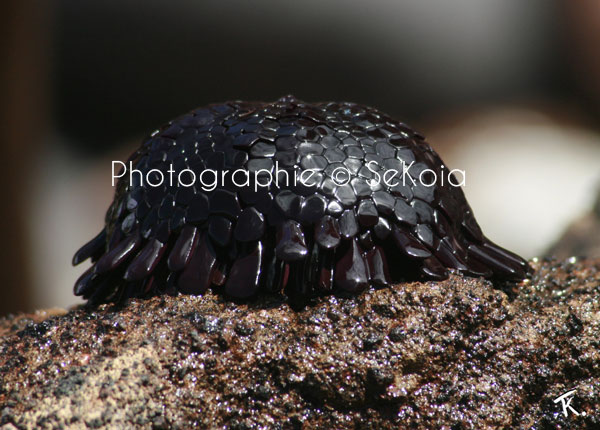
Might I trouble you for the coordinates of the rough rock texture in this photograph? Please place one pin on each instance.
(448, 355)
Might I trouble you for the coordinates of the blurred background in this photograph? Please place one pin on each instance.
(507, 90)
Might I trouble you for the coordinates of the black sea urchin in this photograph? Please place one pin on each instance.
(351, 206)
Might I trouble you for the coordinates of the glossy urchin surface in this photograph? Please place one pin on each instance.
(340, 229)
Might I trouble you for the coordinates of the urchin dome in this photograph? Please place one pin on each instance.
(327, 197)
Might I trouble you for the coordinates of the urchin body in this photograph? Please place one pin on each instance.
(336, 202)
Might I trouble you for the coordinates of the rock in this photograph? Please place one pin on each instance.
(462, 353)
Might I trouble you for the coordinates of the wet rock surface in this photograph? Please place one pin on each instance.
(454, 354)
